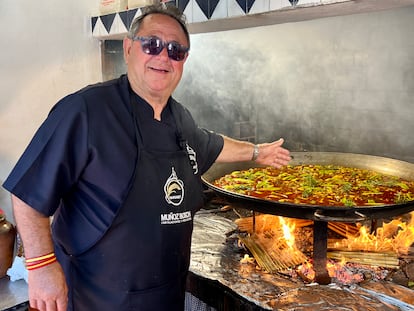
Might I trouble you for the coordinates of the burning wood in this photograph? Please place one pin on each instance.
(260, 255)
(266, 222)
(278, 258)
(395, 236)
(354, 286)
(271, 241)
(345, 230)
(387, 260)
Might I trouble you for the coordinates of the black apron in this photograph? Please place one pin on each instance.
(141, 262)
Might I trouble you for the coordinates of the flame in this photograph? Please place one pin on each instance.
(288, 231)
(394, 236)
(277, 235)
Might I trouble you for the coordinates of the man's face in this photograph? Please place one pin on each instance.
(154, 76)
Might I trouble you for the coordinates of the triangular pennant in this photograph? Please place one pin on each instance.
(107, 20)
(246, 5)
(124, 18)
(207, 7)
(212, 7)
(242, 4)
(249, 4)
(93, 21)
(118, 26)
(182, 4)
(221, 10)
(131, 16)
(99, 29)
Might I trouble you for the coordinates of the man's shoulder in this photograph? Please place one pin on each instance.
(110, 88)
(95, 104)
(112, 94)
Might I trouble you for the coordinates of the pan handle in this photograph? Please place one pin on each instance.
(356, 218)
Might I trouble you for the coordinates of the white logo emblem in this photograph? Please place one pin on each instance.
(174, 189)
(193, 159)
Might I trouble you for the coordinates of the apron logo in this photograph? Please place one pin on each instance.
(174, 189)
(192, 157)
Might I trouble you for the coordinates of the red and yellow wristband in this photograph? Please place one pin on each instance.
(41, 261)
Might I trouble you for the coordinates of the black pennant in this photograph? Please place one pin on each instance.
(107, 21)
(246, 5)
(93, 21)
(124, 18)
(182, 4)
(207, 6)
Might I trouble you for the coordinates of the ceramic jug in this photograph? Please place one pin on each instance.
(7, 239)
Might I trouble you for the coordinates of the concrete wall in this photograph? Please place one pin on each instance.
(341, 84)
(47, 51)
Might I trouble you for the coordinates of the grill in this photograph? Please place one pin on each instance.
(221, 281)
(320, 214)
(269, 290)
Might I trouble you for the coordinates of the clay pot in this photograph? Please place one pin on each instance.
(7, 239)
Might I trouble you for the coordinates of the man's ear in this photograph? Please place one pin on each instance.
(127, 44)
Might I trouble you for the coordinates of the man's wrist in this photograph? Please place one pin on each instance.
(255, 152)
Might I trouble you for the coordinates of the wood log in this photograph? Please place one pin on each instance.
(275, 257)
(262, 258)
(387, 260)
(343, 229)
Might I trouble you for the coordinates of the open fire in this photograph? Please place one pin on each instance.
(355, 252)
(227, 276)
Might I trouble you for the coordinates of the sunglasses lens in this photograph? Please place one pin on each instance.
(176, 51)
(152, 46)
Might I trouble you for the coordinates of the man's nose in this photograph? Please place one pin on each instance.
(163, 53)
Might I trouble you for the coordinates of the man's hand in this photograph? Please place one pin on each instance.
(273, 154)
(47, 288)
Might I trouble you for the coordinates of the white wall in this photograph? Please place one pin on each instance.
(46, 52)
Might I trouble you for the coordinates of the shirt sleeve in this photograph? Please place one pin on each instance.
(54, 158)
(209, 147)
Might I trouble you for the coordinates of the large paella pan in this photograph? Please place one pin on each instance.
(383, 165)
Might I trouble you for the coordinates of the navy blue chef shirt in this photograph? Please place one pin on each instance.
(80, 163)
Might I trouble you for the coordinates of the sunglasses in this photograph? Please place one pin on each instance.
(153, 46)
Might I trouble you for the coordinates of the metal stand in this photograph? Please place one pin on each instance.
(320, 246)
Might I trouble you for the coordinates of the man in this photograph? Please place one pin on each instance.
(118, 165)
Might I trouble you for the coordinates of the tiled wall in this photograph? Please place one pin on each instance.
(198, 11)
(204, 10)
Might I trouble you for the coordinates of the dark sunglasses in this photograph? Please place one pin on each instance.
(153, 46)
